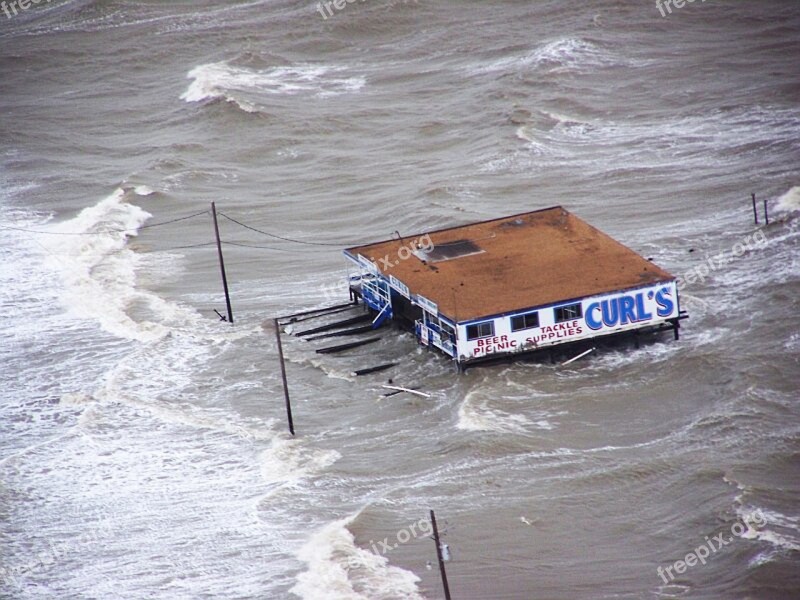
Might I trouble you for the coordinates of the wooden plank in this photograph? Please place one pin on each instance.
(343, 347)
(369, 370)
(356, 331)
(336, 325)
(316, 310)
(331, 311)
(402, 389)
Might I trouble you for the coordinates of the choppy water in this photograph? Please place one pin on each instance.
(143, 447)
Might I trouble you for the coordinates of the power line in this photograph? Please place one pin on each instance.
(276, 236)
(181, 247)
(202, 212)
(107, 231)
(328, 244)
(243, 245)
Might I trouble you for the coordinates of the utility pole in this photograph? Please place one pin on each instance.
(222, 263)
(439, 556)
(283, 376)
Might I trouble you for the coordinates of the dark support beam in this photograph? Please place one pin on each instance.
(222, 263)
(283, 376)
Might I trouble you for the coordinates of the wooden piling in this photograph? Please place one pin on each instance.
(766, 212)
(283, 376)
(222, 263)
(439, 556)
(755, 210)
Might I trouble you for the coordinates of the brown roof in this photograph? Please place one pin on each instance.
(528, 260)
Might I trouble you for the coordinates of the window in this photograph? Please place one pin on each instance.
(526, 321)
(450, 250)
(568, 313)
(447, 331)
(480, 330)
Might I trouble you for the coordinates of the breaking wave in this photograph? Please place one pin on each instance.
(339, 570)
(567, 54)
(790, 201)
(476, 414)
(243, 86)
(99, 271)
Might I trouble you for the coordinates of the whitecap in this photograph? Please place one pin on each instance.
(790, 201)
(565, 54)
(98, 271)
(222, 81)
(340, 570)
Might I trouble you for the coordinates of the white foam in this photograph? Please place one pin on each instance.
(790, 201)
(143, 190)
(221, 81)
(526, 133)
(337, 568)
(561, 118)
(288, 461)
(475, 414)
(99, 271)
(565, 54)
(787, 539)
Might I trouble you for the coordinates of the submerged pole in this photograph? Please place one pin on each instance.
(222, 263)
(439, 556)
(755, 210)
(283, 376)
(766, 212)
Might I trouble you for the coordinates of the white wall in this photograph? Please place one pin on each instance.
(643, 307)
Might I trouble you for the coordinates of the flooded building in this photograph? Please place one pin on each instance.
(513, 285)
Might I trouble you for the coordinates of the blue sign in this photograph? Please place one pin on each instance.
(629, 308)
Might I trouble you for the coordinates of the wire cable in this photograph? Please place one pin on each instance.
(276, 236)
(108, 230)
(182, 247)
(245, 245)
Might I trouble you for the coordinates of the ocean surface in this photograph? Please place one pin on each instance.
(144, 450)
